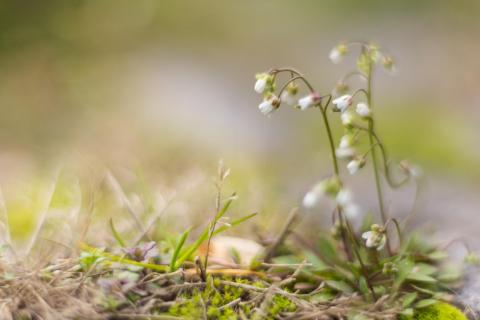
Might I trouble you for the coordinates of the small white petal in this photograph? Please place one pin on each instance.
(366, 234)
(363, 110)
(381, 245)
(261, 85)
(370, 243)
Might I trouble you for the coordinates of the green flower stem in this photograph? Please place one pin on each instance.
(374, 155)
(343, 220)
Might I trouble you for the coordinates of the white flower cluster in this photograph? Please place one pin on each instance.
(331, 188)
(375, 55)
(346, 148)
(265, 85)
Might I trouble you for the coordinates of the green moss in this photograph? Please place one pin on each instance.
(437, 311)
(215, 296)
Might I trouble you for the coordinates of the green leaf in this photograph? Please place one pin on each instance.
(405, 267)
(425, 303)
(408, 299)
(181, 242)
(426, 269)
(327, 249)
(421, 277)
(437, 255)
(339, 286)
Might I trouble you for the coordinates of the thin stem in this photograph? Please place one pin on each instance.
(374, 156)
(397, 227)
(330, 140)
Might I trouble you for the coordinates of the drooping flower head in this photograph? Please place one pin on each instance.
(269, 105)
(325, 188)
(309, 101)
(288, 95)
(375, 238)
(363, 110)
(342, 103)
(356, 164)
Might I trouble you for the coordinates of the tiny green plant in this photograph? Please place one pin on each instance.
(406, 275)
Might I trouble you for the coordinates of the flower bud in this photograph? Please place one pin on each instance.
(389, 268)
(340, 88)
(337, 53)
(264, 82)
(388, 64)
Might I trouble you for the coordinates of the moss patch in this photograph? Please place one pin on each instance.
(437, 311)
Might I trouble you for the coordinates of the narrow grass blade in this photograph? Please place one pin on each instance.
(115, 234)
(176, 252)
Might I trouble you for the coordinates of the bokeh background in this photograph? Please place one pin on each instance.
(158, 91)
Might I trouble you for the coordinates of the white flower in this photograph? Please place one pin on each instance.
(309, 101)
(355, 165)
(337, 53)
(343, 102)
(351, 210)
(344, 197)
(347, 119)
(327, 187)
(287, 97)
(346, 141)
(264, 82)
(375, 238)
(269, 105)
(345, 153)
(363, 110)
(313, 197)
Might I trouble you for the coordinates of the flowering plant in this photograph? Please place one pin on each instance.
(380, 261)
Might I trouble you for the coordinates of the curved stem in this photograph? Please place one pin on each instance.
(351, 74)
(397, 227)
(330, 140)
(292, 71)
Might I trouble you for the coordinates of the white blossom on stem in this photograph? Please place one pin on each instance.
(309, 101)
(269, 105)
(343, 102)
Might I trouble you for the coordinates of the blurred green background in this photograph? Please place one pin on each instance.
(158, 91)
